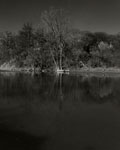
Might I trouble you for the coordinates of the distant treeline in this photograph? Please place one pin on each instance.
(55, 44)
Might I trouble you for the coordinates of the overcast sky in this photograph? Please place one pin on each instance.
(92, 15)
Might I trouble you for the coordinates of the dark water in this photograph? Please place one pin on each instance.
(69, 112)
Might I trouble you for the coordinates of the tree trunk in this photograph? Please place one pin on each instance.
(56, 65)
(60, 58)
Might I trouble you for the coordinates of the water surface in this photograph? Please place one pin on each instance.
(66, 112)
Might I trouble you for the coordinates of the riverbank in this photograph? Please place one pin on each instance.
(84, 72)
(96, 70)
(11, 67)
(81, 70)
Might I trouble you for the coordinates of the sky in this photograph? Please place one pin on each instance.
(90, 15)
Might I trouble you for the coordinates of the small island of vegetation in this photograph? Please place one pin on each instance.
(56, 46)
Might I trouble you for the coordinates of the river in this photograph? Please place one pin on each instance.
(63, 112)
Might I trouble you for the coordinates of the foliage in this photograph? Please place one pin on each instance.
(58, 45)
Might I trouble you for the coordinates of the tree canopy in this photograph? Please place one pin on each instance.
(57, 45)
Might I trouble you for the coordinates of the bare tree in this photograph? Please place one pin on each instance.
(56, 22)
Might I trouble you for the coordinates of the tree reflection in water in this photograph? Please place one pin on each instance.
(59, 112)
(58, 88)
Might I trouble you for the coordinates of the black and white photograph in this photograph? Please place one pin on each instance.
(59, 74)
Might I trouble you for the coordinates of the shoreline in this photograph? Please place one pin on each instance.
(71, 70)
(96, 70)
(84, 72)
